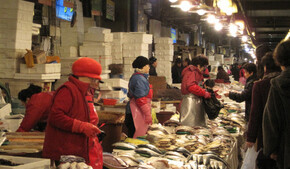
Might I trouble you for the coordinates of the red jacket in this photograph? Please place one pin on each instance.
(37, 110)
(191, 78)
(69, 103)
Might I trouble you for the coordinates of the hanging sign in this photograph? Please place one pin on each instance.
(96, 7)
(110, 10)
(45, 2)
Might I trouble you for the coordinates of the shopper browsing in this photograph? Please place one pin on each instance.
(72, 122)
(138, 111)
(250, 71)
(37, 105)
(192, 111)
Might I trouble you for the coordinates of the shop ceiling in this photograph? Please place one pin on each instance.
(269, 19)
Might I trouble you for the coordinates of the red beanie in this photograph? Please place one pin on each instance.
(87, 67)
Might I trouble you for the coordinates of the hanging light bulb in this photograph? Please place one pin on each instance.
(201, 12)
(211, 19)
(233, 30)
(173, 1)
(218, 26)
(185, 6)
(244, 38)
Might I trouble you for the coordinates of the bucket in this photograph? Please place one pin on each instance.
(163, 116)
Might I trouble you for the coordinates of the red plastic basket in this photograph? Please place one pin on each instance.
(109, 101)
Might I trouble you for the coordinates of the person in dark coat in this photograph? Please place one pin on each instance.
(176, 71)
(186, 62)
(261, 50)
(259, 98)
(223, 75)
(246, 95)
(235, 71)
(153, 65)
(276, 118)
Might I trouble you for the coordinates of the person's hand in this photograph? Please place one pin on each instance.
(207, 95)
(227, 94)
(249, 144)
(89, 129)
(148, 119)
(273, 156)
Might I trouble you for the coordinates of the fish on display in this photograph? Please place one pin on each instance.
(182, 150)
(146, 152)
(150, 146)
(131, 161)
(174, 153)
(124, 146)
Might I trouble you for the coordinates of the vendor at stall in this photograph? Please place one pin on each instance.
(222, 75)
(138, 110)
(37, 106)
(72, 122)
(192, 110)
(246, 95)
(153, 66)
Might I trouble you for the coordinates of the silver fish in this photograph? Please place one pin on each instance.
(147, 152)
(124, 146)
(151, 147)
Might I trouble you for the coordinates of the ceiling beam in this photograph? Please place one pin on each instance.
(269, 39)
(271, 29)
(268, 5)
(268, 13)
(270, 36)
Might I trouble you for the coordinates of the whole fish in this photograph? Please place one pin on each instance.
(124, 146)
(151, 147)
(147, 152)
(174, 153)
(183, 151)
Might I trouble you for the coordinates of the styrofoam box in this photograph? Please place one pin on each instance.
(16, 4)
(98, 30)
(220, 60)
(217, 63)
(113, 95)
(71, 51)
(105, 61)
(41, 68)
(117, 61)
(12, 53)
(8, 63)
(5, 109)
(117, 56)
(164, 58)
(138, 37)
(117, 48)
(229, 61)
(219, 56)
(118, 35)
(211, 58)
(108, 37)
(135, 53)
(27, 163)
(164, 52)
(7, 74)
(135, 46)
(37, 76)
(116, 82)
(164, 47)
(163, 40)
(128, 61)
(94, 51)
(105, 76)
(7, 25)
(129, 68)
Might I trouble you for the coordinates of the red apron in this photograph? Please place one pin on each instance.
(95, 148)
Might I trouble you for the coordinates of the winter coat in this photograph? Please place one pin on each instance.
(192, 111)
(37, 110)
(259, 98)
(222, 74)
(176, 74)
(152, 71)
(69, 103)
(276, 120)
(246, 95)
(235, 72)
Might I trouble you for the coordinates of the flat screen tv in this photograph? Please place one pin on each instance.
(173, 35)
(63, 12)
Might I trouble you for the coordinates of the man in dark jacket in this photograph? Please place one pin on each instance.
(153, 65)
(176, 71)
(276, 119)
(235, 71)
(259, 98)
(223, 75)
(246, 95)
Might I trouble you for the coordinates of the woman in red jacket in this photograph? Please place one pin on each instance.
(37, 106)
(72, 122)
(192, 112)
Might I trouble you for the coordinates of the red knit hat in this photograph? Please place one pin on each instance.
(87, 67)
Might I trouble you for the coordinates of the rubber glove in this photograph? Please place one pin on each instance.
(146, 110)
(207, 95)
(88, 129)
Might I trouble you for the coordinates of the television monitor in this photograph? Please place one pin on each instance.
(173, 35)
(63, 12)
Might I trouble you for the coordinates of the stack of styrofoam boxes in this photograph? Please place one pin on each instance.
(15, 34)
(97, 45)
(164, 54)
(219, 58)
(119, 89)
(135, 44)
(229, 61)
(117, 47)
(66, 69)
(69, 40)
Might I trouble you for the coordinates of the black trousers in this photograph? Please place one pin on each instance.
(264, 162)
(129, 121)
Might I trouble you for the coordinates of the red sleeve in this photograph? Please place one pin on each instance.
(196, 90)
(33, 114)
(141, 101)
(58, 116)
